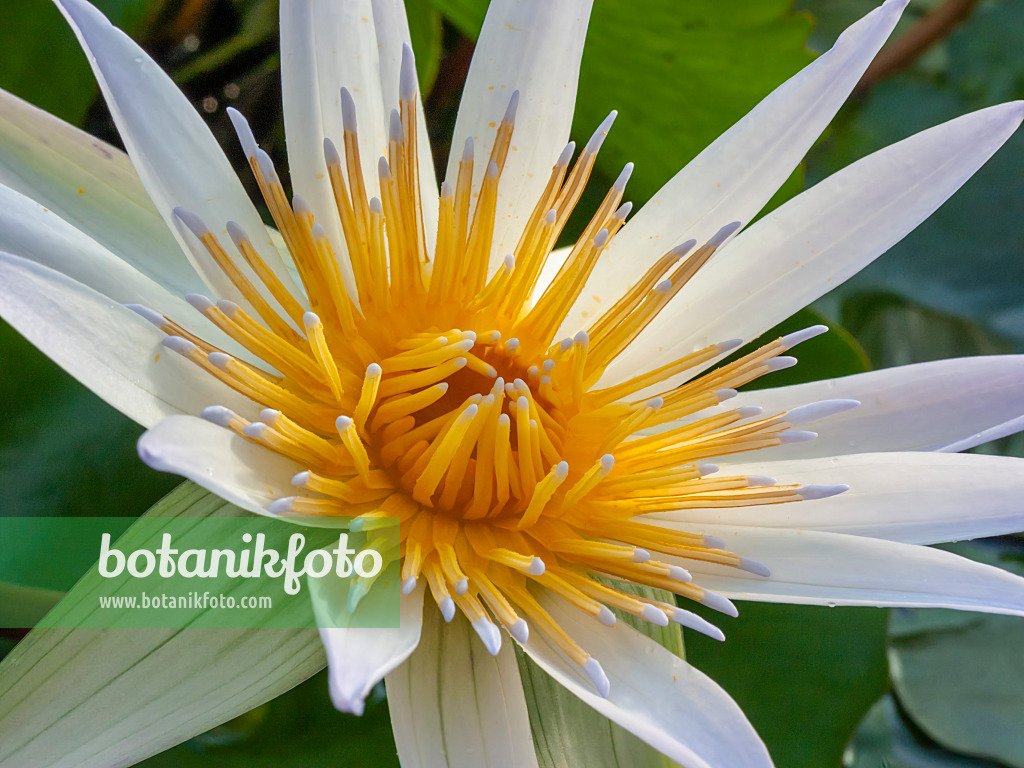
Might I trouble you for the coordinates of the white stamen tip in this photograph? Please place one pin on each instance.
(461, 586)
(331, 153)
(490, 635)
(581, 337)
(509, 262)
(446, 191)
(395, 131)
(607, 462)
(348, 110)
(520, 631)
(467, 150)
(724, 234)
(342, 423)
(301, 480)
(492, 170)
(376, 208)
(408, 585)
(267, 167)
(243, 130)
(310, 320)
(383, 169)
(193, 222)
(798, 337)
(748, 411)
(601, 238)
(713, 542)
(720, 603)
(299, 205)
(654, 615)
(796, 436)
(623, 211)
(707, 469)
(606, 617)
(597, 676)
(655, 403)
(623, 178)
(318, 232)
(199, 302)
(550, 217)
(447, 609)
(725, 394)
(640, 555)
(692, 621)
(536, 567)
(218, 414)
(682, 249)
(816, 491)
(237, 234)
(513, 106)
(566, 156)
(679, 574)
(255, 429)
(150, 315)
(780, 363)
(819, 410)
(229, 308)
(663, 287)
(601, 133)
(178, 344)
(754, 567)
(761, 481)
(729, 346)
(219, 359)
(373, 370)
(407, 76)
(282, 506)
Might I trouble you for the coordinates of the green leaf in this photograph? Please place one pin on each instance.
(40, 60)
(115, 696)
(22, 606)
(426, 31)
(884, 739)
(960, 677)
(568, 733)
(803, 675)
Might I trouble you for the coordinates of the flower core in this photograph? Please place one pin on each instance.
(424, 383)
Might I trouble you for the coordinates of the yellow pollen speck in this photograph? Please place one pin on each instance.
(81, 191)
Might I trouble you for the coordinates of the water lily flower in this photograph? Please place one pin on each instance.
(546, 423)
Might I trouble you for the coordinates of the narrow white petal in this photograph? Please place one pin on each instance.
(236, 469)
(733, 178)
(174, 152)
(104, 345)
(820, 568)
(820, 238)
(533, 46)
(932, 406)
(359, 658)
(91, 184)
(653, 693)
(915, 498)
(477, 713)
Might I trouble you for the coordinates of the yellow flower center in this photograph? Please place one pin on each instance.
(424, 385)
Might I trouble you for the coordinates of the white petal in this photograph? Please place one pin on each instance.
(236, 469)
(820, 568)
(357, 658)
(33, 232)
(924, 407)
(733, 178)
(107, 347)
(358, 46)
(820, 238)
(476, 713)
(91, 184)
(174, 152)
(915, 498)
(533, 46)
(654, 694)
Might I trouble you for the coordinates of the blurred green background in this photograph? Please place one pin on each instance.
(824, 687)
